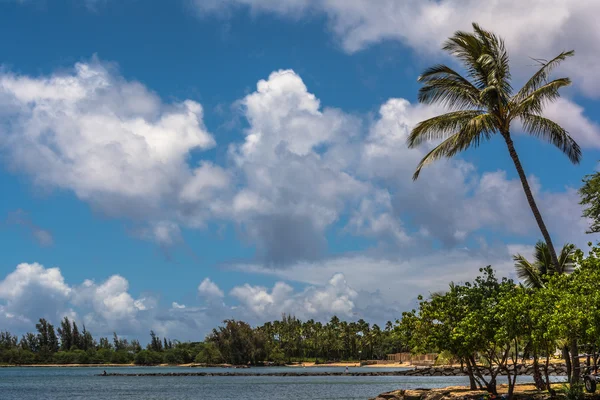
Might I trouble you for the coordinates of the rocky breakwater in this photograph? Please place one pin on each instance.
(553, 370)
(291, 373)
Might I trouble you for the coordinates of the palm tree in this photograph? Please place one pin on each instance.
(482, 104)
(535, 274)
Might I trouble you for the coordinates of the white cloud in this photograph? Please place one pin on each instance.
(113, 142)
(536, 28)
(300, 169)
(109, 306)
(209, 289)
(334, 298)
(571, 117)
(295, 184)
(374, 218)
(109, 303)
(397, 281)
(177, 305)
(32, 291)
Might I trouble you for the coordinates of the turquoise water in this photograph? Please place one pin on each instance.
(81, 383)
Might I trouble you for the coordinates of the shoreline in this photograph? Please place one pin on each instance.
(194, 365)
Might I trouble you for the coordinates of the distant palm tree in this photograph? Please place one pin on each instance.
(482, 104)
(535, 274)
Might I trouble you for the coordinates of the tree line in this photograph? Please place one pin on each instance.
(235, 342)
(291, 339)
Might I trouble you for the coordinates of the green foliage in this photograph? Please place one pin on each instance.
(148, 357)
(573, 392)
(535, 274)
(121, 356)
(104, 356)
(177, 355)
(209, 354)
(590, 198)
(445, 358)
(287, 340)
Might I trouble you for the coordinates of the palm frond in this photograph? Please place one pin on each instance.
(541, 76)
(494, 60)
(467, 48)
(441, 126)
(566, 259)
(443, 85)
(480, 127)
(549, 130)
(543, 259)
(527, 272)
(536, 100)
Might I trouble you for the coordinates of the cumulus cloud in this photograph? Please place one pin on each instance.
(32, 291)
(300, 168)
(112, 142)
(334, 298)
(109, 306)
(537, 28)
(209, 289)
(110, 299)
(571, 116)
(294, 183)
(394, 281)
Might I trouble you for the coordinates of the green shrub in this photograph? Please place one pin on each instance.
(121, 357)
(209, 354)
(148, 357)
(573, 392)
(80, 356)
(63, 357)
(104, 356)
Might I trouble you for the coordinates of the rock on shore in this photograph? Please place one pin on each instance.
(522, 392)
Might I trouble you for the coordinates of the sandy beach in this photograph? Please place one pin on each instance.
(352, 364)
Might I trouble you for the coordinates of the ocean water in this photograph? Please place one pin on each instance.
(83, 383)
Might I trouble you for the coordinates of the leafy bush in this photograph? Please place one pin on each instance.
(573, 392)
(17, 356)
(80, 356)
(209, 354)
(121, 357)
(104, 356)
(148, 357)
(63, 357)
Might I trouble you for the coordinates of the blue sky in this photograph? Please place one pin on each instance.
(168, 164)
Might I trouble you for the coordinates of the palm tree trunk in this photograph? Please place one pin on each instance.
(529, 195)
